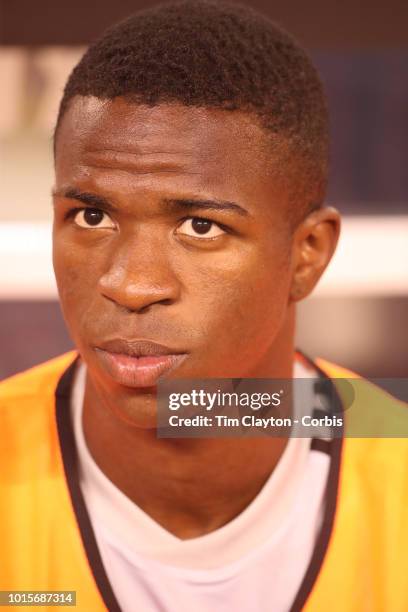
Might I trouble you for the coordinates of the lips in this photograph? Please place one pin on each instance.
(137, 363)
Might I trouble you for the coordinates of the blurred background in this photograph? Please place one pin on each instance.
(358, 316)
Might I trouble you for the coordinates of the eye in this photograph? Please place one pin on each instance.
(197, 227)
(93, 218)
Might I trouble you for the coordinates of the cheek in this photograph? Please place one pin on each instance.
(244, 296)
(75, 278)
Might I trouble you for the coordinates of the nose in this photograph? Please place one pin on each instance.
(140, 274)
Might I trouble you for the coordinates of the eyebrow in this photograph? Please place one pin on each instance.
(190, 204)
(98, 201)
(86, 198)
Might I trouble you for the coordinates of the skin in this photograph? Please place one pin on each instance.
(227, 301)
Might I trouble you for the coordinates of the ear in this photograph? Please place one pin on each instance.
(314, 243)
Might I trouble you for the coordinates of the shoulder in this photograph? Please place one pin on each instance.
(27, 419)
(28, 453)
(376, 422)
(364, 394)
(39, 381)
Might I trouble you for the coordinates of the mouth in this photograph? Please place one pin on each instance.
(137, 363)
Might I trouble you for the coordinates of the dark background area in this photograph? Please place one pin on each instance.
(324, 24)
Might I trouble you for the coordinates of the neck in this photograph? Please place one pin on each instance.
(189, 486)
(204, 485)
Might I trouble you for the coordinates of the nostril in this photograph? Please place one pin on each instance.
(146, 307)
(134, 290)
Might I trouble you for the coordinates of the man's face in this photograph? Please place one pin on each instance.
(170, 227)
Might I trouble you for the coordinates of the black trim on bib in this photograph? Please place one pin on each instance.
(324, 446)
(332, 447)
(69, 457)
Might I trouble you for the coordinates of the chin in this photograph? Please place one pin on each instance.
(135, 407)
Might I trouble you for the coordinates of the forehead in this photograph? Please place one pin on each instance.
(92, 124)
(206, 148)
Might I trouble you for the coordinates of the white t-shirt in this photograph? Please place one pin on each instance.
(254, 563)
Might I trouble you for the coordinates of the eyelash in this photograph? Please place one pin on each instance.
(70, 214)
(225, 228)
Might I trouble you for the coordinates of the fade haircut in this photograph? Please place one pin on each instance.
(218, 55)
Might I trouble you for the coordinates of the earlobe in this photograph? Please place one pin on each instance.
(314, 243)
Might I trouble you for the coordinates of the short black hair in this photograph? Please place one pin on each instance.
(216, 54)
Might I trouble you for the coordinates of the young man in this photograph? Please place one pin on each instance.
(191, 164)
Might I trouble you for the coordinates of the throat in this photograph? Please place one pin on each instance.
(189, 487)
